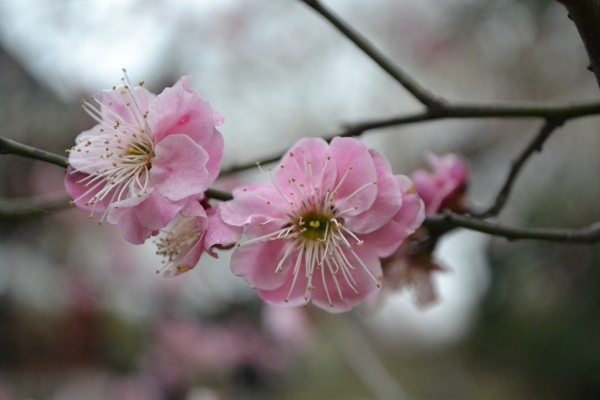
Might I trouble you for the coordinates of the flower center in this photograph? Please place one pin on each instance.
(314, 227)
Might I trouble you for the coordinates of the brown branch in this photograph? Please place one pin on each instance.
(450, 220)
(535, 145)
(8, 146)
(19, 208)
(458, 111)
(420, 93)
(466, 111)
(586, 16)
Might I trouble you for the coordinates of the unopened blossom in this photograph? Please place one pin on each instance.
(317, 231)
(199, 231)
(444, 188)
(146, 159)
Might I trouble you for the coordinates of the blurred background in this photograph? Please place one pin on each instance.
(83, 315)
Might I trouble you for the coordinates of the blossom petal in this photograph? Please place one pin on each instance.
(138, 220)
(75, 185)
(251, 201)
(126, 105)
(368, 282)
(181, 111)
(304, 164)
(219, 232)
(386, 240)
(257, 263)
(356, 168)
(214, 148)
(179, 168)
(387, 202)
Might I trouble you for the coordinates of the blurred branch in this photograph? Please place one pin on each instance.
(450, 220)
(358, 352)
(218, 194)
(19, 208)
(536, 144)
(8, 146)
(420, 93)
(586, 16)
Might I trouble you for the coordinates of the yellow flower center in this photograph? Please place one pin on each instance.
(315, 227)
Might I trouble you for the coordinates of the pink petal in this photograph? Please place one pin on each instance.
(257, 263)
(179, 168)
(305, 163)
(367, 285)
(278, 297)
(251, 203)
(412, 213)
(114, 104)
(348, 152)
(81, 194)
(138, 220)
(193, 207)
(181, 111)
(214, 148)
(386, 240)
(132, 229)
(218, 232)
(387, 202)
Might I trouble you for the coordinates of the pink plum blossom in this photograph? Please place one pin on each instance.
(199, 231)
(443, 188)
(412, 267)
(317, 232)
(148, 157)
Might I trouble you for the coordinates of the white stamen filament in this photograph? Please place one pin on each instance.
(116, 157)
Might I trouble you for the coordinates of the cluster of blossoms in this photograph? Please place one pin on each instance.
(315, 234)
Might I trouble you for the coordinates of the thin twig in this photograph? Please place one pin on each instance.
(465, 111)
(8, 146)
(357, 350)
(562, 112)
(450, 220)
(536, 144)
(19, 208)
(425, 97)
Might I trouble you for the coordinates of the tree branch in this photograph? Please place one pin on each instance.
(420, 93)
(19, 208)
(562, 112)
(450, 220)
(466, 111)
(536, 144)
(444, 222)
(8, 146)
(586, 16)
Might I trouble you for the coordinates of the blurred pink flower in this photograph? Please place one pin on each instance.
(412, 267)
(147, 158)
(186, 352)
(317, 232)
(291, 327)
(444, 188)
(198, 231)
